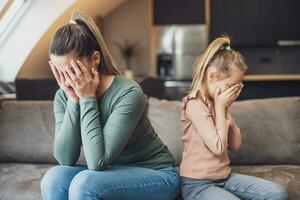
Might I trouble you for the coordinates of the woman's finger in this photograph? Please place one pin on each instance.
(95, 74)
(71, 74)
(78, 72)
(83, 68)
(69, 80)
(62, 79)
(55, 72)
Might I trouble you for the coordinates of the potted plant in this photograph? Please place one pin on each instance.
(126, 49)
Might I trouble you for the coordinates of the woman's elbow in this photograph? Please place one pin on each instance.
(96, 165)
(62, 160)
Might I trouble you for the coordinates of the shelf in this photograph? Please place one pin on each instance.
(272, 77)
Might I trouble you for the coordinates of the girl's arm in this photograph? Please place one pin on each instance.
(234, 137)
(67, 140)
(103, 141)
(213, 135)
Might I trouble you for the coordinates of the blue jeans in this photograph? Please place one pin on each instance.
(114, 183)
(235, 187)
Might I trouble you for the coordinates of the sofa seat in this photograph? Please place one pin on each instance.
(286, 175)
(22, 180)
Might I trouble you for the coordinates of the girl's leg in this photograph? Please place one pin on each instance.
(126, 183)
(193, 189)
(250, 187)
(56, 181)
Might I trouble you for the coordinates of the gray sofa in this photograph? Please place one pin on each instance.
(270, 131)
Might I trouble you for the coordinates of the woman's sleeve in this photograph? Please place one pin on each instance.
(215, 138)
(234, 137)
(103, 141)
(67, 140)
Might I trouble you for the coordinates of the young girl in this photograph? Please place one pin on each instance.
(104, 113)
(209, 131)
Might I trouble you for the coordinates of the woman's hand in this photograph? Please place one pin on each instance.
(225, 99)
(83, 83)
(61, 80)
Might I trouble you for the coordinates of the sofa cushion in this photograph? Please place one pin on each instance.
(286, 175)
(270, 131)
(21, 181)
(27, 132)
(165, 118)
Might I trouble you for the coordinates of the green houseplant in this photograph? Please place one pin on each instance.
(126, 49)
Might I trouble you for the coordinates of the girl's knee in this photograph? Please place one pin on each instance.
(277, 192)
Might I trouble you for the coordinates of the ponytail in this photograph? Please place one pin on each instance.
(220, 55)
(82, 37)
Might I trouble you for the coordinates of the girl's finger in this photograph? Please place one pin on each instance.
(240, 90)
(83, 68)
(218, 91)
(231, 89)
(76, 68)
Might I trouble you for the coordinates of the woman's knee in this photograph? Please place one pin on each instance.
(51, 177)
(81, 187)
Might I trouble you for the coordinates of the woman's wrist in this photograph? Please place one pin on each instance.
(74, 100)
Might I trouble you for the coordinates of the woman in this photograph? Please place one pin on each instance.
(105, 113)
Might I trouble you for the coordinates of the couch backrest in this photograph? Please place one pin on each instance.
(270, 130)
(27, 132)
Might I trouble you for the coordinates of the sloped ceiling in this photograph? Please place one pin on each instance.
(31, 59)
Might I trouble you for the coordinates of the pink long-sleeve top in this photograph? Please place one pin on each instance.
(205, 154)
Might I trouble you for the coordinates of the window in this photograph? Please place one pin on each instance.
(9, 10)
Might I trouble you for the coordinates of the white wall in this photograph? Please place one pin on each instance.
(130, 21)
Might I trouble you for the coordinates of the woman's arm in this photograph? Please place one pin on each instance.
(67, 140)
(104, 142)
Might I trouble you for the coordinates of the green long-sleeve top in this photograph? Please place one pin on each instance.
(113, 129)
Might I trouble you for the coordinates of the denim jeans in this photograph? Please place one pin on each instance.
(236, 186)
(114, 183)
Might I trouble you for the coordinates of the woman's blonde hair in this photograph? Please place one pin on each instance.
(82, 37)
(220, 55)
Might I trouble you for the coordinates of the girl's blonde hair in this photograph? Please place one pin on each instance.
(82, 37)
(220, 55)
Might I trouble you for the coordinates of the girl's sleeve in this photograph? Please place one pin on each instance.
(215, 138)
(67, 140)
(103, 141)
(234, 137)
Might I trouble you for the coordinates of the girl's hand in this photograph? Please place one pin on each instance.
(226, 98)
(61, 80)
(238, 92)
(82, 82)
